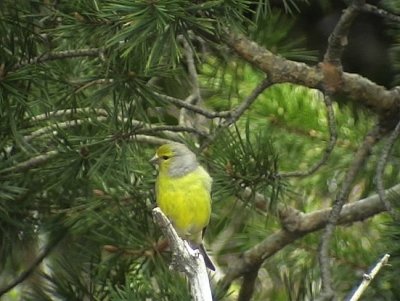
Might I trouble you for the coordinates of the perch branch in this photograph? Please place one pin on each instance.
(187, 260)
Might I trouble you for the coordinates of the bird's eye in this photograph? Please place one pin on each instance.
(165, 157)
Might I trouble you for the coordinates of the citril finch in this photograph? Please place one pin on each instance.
(183, 193)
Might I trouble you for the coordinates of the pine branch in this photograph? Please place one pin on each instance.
(359, 90)
(301, 225)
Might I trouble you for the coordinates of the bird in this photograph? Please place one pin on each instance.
(183, 193)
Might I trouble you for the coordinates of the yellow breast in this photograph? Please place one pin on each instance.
(186, 201)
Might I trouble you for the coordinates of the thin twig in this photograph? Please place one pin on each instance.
(323, 255)
(247, 102)
(183, 104)
(25, 274)
(380, 12)
(367, 278)
(51, 56)
(329, 148)
(381, 168)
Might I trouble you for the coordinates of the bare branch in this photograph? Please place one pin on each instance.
(323, 255)
(381, 168)
(367, 278)
(329, 148)
(306, 223)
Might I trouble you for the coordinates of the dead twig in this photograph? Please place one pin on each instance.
(367, 278)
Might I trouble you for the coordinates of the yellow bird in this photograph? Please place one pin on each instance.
(183, 193)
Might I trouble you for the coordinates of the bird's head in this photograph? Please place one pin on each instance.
(175, 159)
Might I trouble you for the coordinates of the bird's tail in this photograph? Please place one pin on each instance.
(207, 259)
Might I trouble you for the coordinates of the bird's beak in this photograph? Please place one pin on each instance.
(154, 160)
